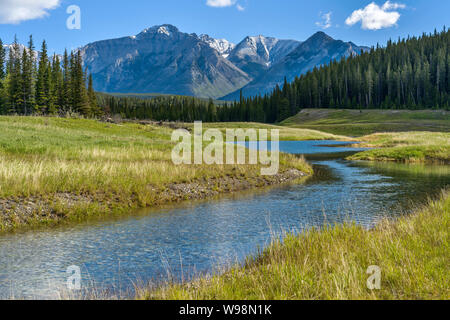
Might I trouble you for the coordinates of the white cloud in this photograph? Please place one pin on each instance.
(220, 3)
(326, 23)
(223, 4)
(374, 17)
(392, 6)
(16, 11)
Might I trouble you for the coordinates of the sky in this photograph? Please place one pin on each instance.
(74, 23)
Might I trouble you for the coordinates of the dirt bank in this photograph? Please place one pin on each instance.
(28, 212)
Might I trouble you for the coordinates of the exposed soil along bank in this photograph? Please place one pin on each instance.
(20, 213)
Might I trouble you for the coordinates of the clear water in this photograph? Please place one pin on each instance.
(197, 237)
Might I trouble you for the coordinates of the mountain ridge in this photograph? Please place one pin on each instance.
(161, 59)
(255, 54)
(317, 50)
(165, 60)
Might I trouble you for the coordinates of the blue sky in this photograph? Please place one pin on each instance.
(363, 22)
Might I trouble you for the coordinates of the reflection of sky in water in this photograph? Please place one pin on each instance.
(196, 237)
(303, 147)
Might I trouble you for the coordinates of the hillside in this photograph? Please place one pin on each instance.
(358, 123)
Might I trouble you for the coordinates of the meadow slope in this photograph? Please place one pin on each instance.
(357, 123)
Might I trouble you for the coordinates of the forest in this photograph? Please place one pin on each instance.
(411, 73)
(33, 83)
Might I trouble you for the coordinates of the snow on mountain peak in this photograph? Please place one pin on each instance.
(223, 46)
(165, 29)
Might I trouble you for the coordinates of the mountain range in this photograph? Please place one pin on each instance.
(163, 59)
(317, 50)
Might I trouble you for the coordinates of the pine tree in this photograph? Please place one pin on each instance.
(283, 110)
(2, 61)
(2, 78)
(93, 98)
(28, 78)
(43, 81)
(15, 97)
(80, 101)
(66, 85)
(55, 85)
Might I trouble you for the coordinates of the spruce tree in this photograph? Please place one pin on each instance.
(93, 98)
(55, 86)
(2, 61)
(66, 84)
(15, 97)
(80, 101)
(2, 78)
(28, 72)
(43, 81)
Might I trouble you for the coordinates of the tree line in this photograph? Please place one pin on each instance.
(174, 108)
(412, 73)
(34, 83)
(162, 108)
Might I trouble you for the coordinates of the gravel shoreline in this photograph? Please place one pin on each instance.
(23, 212)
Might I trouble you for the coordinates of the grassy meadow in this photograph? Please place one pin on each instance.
(332, 264)
(286, 133)
(69, 169)
(355, 123)
(54, 170)
(406, 147)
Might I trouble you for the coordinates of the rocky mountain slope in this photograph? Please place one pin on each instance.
(164, 60)
(317, 50)
(255, 55)
(223, 46)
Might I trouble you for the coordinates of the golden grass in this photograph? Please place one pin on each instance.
(286, 133)
(407, 147)
(351, 122)
(332, 264)
(114, 166)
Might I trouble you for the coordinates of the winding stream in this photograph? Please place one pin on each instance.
(185, 240)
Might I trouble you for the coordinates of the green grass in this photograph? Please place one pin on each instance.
(77, 168)
(332, 263)
(396, 135)
(286, 133)
(357, 123)
(406, 147)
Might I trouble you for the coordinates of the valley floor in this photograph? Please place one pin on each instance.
(57, 170)
(412, 254)
(356, 123)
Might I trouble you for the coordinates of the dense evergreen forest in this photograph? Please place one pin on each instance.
(36, 84)
(412, 73)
